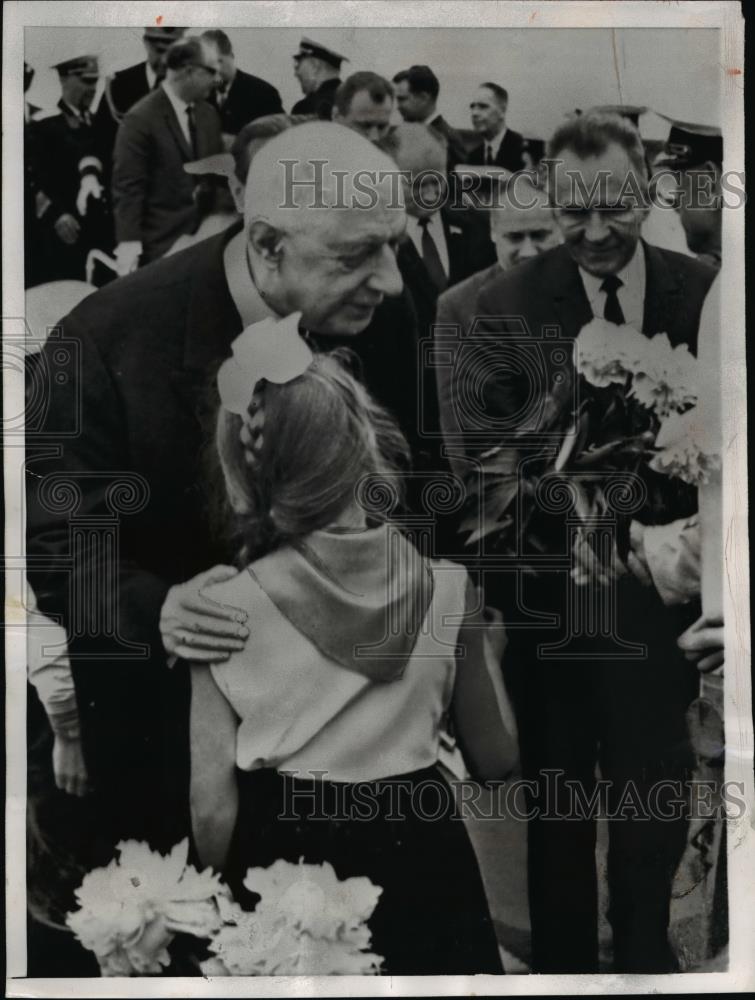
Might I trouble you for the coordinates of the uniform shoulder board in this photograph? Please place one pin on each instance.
(42, 114)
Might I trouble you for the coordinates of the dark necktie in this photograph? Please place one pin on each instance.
(612, 310)
(488, 154)
(431, 257)
(192, 131)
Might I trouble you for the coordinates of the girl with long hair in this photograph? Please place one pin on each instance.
(319, 740)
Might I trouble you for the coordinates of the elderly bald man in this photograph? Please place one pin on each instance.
(147, 348)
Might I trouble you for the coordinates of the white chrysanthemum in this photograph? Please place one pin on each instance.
(686, 447)
(667, 379)
(606, 353)
(313, 898)
(130, 910)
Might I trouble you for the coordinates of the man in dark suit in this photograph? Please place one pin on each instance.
(60, 150)
(317, 68)
(239, 97)
(127, 86)
(417, 90)
(500, 146)
(441, 248)
(521, 227)
(152, 193)
(147, 349)
(611, 689)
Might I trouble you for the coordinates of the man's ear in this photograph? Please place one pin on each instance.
(237, 192)
(265, 241)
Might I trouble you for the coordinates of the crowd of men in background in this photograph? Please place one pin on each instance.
(135, 177)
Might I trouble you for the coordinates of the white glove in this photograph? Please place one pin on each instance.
(90, 187)
(127, 256)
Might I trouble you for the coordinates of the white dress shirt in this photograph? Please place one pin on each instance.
(435, 229)
(151, 76)
(179, 107)
(631, 295)
(494, 144)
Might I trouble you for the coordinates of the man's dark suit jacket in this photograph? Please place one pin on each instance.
(509, 153)
(547, 292)
(320, 103)
(580, 699)
(469, 249)
(143, 389)
(152, 193)
(249, 97)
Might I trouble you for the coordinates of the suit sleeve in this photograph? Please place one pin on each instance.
(449, 425)
(131, 178)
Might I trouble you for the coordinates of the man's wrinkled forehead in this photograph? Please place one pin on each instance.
(317, 186)
(345, 230)
(595, 181)
(510, 218)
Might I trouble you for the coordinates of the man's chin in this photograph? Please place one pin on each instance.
(350, 323)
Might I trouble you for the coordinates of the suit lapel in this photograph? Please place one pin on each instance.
(568, 293)
(662, 295)
(172, 121)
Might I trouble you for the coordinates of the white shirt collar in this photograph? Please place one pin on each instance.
(436, 230)
(495, 142)
(249, 303)
(631, 295)
(76, 112)
(151, 76)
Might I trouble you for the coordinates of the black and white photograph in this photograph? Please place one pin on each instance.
(376, 565)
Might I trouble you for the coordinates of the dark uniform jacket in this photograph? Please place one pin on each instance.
(55, 148)
(320, 103)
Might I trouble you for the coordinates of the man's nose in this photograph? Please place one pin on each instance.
(528, 248)
(386, 277)
(596, 229)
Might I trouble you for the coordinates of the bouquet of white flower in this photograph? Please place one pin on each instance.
(131, 910)
(307, 922)
(633, 412)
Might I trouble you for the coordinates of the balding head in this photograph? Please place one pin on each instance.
(421, 155)
(323, 220)
(522, 223)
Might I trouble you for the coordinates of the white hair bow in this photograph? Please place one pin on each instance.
(271, 349)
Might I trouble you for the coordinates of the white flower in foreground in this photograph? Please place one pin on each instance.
(606, 353)
(667, 379)
(686, 448)
(307, 922)
(130, 910)
(313, 898)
